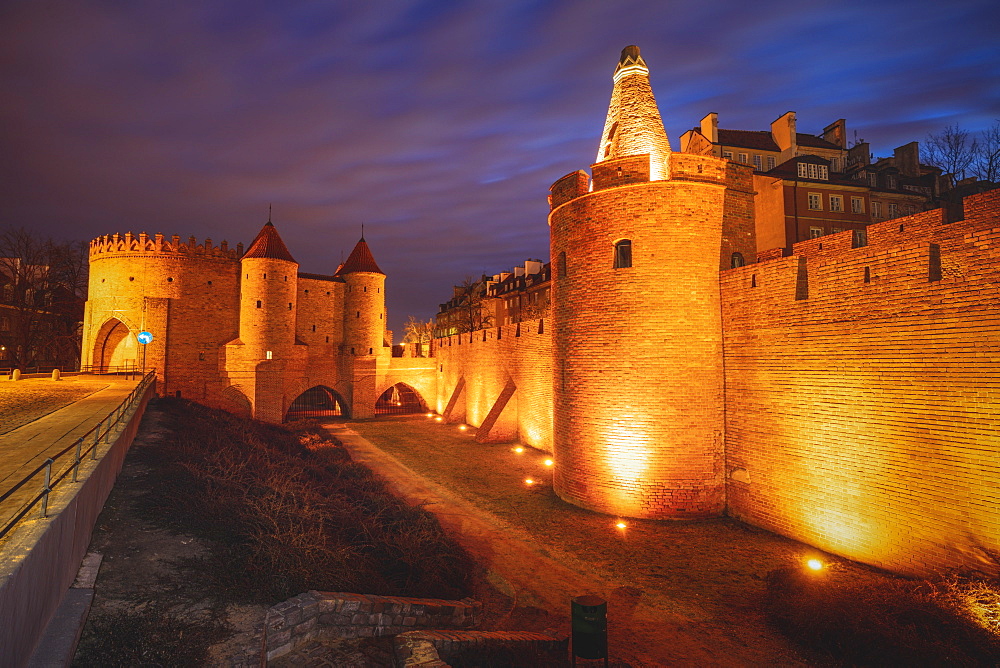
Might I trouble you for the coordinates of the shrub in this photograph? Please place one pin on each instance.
(289, 511)
(877, 622)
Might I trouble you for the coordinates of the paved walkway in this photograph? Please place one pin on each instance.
(24, 448)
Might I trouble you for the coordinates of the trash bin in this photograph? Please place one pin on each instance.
(589, 621)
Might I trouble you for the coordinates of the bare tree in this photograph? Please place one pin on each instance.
(472, 310)
(42, 290)
(986, 164)
(953, 150)
(418, 334)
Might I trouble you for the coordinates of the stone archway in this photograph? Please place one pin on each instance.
(115, 348)
(317, 401)
(399, 399)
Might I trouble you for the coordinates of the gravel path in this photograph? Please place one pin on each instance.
(27, 400)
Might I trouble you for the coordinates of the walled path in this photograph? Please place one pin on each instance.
(679, 594)
(51, 415)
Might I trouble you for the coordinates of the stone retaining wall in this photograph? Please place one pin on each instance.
(317, 614)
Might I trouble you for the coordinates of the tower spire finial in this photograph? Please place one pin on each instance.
(362, 231)
(269, 212)
(633, 126)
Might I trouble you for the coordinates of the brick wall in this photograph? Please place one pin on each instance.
(518, 353)
(638, 415)
(861, 416)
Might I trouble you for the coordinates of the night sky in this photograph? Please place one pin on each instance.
(439, 125)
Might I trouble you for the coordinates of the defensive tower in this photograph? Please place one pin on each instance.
(267, 297)
(364, 302)
(638, 387)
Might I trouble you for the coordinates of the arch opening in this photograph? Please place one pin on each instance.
(317, 401)
(399, 399)
(115, 349)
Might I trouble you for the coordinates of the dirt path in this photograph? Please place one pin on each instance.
(679, 594)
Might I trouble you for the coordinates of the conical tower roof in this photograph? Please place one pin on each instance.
(633, 125)
(360, 259)
(268, 244)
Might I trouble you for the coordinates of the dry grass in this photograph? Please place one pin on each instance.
(885, 621)
(287, 511)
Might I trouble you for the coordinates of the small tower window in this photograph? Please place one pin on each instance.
(868, 275)
(314, 328)
(169, 279)
(737, 260)
(265, 275)
(289, 306)
(328, 339)
(258, 303)
(358, 315)
(269, 355)
(623, 254)
(366, 288)
(561, 264)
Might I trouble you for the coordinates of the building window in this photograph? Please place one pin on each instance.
(728, 155)
(857, 205)
(623, 254)
(737, 260)
(873, 179)
(815, 202)
(269, 355)
(860, 239)
(258, 303)
(836, 203)
(770, 162)
(834, 162)
(837, 229)
(891, 182)
(893, 210)
(758, 164)
(561, 264)
(743, 158)
(876, 209)
(815, 232)
(808, 170)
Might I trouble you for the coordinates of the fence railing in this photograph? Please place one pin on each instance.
(82, 447)
(130, 370)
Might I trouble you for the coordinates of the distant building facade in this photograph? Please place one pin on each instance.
(812, 185)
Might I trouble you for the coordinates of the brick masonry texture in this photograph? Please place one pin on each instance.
(516, 354)
(638, 417)
(245, 335)
(863, 418)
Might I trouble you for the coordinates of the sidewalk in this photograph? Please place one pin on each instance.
(24, 448)
(679, 593)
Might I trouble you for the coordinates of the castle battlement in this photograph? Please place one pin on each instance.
(114, 244)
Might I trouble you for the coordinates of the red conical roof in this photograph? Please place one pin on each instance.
(360, 259)
(268, 244)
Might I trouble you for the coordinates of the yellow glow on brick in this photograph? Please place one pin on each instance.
(549, 462)
(518, 449)
(529, 481)
(815, 564)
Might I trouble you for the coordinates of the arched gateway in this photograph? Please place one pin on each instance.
(317, 401)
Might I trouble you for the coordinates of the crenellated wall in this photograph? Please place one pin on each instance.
(519, 354)
(863, 392)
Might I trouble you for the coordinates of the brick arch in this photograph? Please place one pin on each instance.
(331, 395)
(115, 345)
(235, 400)
(405, 388)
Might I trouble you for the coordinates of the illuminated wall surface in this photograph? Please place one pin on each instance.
(864, 418)
(480, 370)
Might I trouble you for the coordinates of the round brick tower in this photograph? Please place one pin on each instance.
(638, 384)
(267, 297)
(364, 302)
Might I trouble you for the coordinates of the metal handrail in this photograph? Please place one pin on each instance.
(109, 423)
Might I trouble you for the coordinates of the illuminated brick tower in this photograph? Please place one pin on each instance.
(364, 326)
(638, 386)
(267, 297)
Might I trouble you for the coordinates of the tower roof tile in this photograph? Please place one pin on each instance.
(360, 259)
(268, 244)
